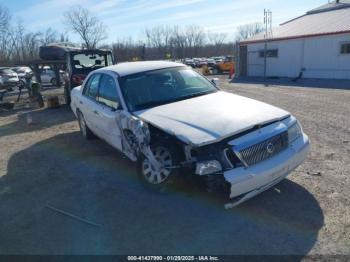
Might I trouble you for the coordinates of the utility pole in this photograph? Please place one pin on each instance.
(267, 35)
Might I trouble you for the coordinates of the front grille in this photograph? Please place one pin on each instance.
(264, 150)
(232, 158)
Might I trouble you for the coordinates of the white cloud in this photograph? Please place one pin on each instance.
(44, 8)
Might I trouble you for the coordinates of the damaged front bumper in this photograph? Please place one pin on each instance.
(247, 182)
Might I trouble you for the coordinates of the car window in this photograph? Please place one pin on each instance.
(83, 61)
(91, 87)
(87, 84)
(108, 93)
(192, 80)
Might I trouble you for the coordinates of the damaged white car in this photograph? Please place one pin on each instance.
(173, 121)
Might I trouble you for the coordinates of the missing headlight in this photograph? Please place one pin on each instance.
(208, 167)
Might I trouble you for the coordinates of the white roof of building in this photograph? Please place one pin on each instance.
(129, 68)
(332, 18)
(330, 6)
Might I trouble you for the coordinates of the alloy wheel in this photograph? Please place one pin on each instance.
(151, 173)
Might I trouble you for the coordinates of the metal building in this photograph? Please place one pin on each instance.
(314, 45)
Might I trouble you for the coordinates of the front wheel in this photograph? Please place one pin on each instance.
(158, 177)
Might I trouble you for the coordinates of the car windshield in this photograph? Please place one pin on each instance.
(154, 88)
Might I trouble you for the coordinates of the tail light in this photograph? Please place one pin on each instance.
(78, 79)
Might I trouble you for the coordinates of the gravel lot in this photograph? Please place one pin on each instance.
(49, 164)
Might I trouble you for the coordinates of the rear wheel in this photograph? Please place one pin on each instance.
(84, 129)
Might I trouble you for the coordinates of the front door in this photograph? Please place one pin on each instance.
(109, 108)
(89, 106)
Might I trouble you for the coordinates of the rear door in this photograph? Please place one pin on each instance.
(88, 105)
(108, 109)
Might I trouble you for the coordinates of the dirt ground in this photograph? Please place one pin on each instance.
(48, 164)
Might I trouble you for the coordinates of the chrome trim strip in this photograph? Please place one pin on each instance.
(226, 158)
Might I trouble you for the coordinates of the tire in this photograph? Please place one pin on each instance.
(53, 82)
(84, 129)
(159, 180)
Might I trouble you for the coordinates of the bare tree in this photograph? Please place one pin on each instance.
(5, 39)
(248, 30)
(160, 37)
(17, 43)
(181, 42)
(50, 36)
(195, 36)
(5, 18)
(216, 38)
(24, 44)
(178, 42)
(88, 27)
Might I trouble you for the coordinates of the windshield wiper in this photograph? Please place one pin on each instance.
(196, 94)
(152, 104)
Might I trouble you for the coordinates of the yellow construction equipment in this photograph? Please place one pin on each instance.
(226, 66)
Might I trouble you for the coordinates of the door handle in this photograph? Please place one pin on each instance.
(96, 112)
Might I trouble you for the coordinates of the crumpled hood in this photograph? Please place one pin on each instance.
(210, 118)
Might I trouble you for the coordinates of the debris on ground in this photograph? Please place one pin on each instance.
(53, 102)
(314, 173)
(72, 216)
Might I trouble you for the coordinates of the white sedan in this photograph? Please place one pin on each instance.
(175, 122)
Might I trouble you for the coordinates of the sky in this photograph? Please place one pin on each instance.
(129, 18)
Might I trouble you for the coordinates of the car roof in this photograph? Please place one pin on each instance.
(20, 67)
(129, 68)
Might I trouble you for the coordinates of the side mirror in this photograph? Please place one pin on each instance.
(216, 82)
(117, 106)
